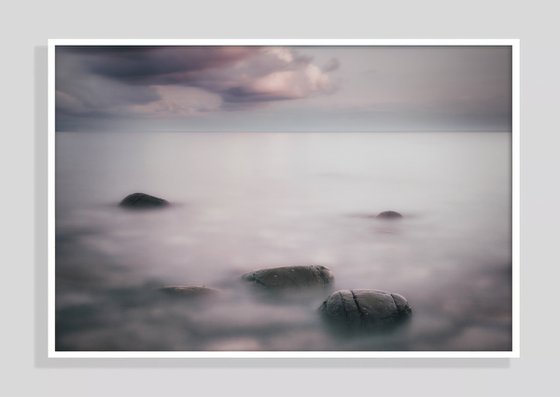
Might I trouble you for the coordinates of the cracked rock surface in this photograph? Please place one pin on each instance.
(142, 201)
(291, 277)
(364, 309)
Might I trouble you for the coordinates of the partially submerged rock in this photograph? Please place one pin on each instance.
(291, 277)
(364, 310)
(389, 215)
(189, 291)
(142, 201)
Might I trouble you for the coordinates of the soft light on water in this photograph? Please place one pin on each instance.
(243, 201)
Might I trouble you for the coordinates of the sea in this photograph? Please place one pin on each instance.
(245, 201)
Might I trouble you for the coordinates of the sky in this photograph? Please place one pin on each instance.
(293, 89)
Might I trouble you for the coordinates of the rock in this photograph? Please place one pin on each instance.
(291, 277)
(389, 215)
(364, 310)
(189, 291)
(142, 200)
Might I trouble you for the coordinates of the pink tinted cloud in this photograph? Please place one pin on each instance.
(185, 81)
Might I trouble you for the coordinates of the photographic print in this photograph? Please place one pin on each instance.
(282, 198)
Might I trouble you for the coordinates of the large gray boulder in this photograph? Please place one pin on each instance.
(189, 291)
(364, 309)
(291, 277)
(143, 201)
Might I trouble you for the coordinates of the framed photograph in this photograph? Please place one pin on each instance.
(283, 198)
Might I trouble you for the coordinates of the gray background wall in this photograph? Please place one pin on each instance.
(25, 29)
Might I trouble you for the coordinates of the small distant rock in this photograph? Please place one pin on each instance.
(189, 291)
(364, 309)
(291, 277)
(142, 201)
(389, 215)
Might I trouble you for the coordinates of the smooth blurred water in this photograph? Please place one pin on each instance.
(243, 201)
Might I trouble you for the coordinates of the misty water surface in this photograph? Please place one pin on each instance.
(243, 201)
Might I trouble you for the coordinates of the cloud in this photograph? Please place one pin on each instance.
(181, 80)
(91, 93)
(179, 101)
(282, 85)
